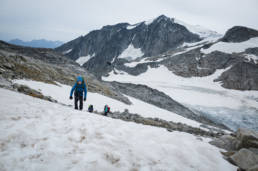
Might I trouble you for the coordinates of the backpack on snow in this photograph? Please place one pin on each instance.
(90, 109)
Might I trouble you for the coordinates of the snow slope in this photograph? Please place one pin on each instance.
(61, 94)
(232, 47)
(39, 135)
(131, 53)
(231, 107)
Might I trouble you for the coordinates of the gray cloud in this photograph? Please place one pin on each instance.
(67, 19)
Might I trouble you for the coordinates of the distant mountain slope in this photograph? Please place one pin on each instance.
(128, 42)
(41, 43)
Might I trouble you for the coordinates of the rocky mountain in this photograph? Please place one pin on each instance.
(128, 42)
(201, 75)
(40, 43)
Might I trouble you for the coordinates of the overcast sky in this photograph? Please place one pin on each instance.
(67, 19)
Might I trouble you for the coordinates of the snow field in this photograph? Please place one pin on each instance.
(40, 135)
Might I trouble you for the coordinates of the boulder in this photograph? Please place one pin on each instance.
(247, 138)
(226, 142)
(244, 159)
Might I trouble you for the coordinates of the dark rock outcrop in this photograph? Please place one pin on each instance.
(242, 76)
(239, 34)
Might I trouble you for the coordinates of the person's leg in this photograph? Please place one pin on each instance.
(76, 102)
(81, 102)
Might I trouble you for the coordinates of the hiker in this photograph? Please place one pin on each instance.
(90, 108)
(106, 110)
(78, 89)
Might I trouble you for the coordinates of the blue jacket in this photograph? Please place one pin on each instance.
(79, 88)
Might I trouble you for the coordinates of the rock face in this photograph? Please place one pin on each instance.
(109, 42)
(239, 34)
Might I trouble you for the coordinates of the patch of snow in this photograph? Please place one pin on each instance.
(67, 51)
(200, 93)
(83, 59)
(61, 94)
(113, 60)
(130, 27)
(131, 53)
(40, 135)
(232, 47)
(251, 57)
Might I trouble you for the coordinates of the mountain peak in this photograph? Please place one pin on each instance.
(159, 19)
(163, 17)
